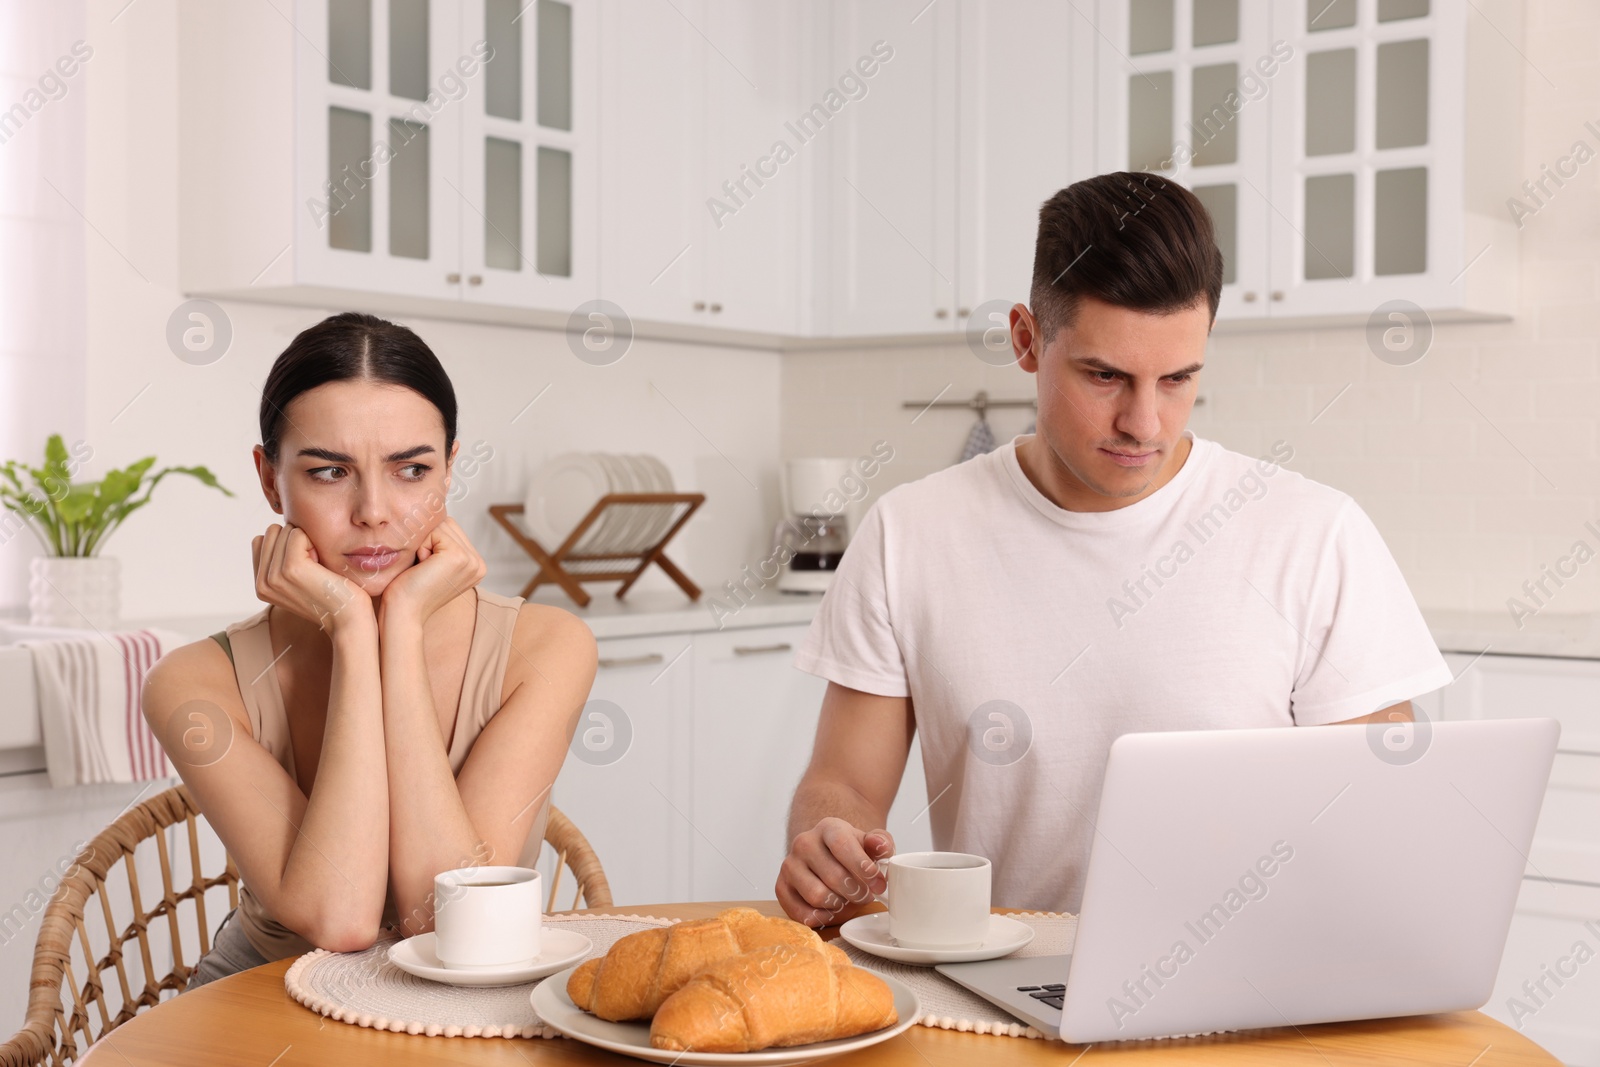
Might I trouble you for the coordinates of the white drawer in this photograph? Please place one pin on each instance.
(19, 705)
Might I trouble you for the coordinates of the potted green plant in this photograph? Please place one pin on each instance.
(72, 585)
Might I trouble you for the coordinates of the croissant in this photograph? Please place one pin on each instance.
(775, 996)
(641, 970)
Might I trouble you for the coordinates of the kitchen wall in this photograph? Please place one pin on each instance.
(1479, 463)
(707, 411)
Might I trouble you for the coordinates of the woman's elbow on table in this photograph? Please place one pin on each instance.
(346, 935)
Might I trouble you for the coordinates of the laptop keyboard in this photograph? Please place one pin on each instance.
(1053, 994)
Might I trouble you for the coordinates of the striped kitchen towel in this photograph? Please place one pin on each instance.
(88, 693)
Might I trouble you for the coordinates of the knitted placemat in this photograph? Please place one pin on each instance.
(365, 989)
(947, 1005)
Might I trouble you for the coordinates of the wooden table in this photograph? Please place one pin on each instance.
(249, 1018)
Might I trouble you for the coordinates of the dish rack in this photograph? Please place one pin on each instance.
(569, 568)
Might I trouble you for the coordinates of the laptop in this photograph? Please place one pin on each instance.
(1272, 877)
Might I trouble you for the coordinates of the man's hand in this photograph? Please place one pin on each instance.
(832, 869)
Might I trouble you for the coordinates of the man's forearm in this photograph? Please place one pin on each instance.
(818, 800)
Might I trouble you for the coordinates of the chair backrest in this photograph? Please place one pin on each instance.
(81, 954)
(86, 947)
(572, 849)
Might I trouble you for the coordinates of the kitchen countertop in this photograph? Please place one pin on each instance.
(669, 611)
(640, 613)
(1570, 636)
(1575, 636)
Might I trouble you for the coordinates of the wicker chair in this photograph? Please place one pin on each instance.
(58, 1033)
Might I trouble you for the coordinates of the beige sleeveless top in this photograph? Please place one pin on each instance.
(251, 647)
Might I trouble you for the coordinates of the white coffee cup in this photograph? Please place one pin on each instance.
(938, 900)
(486, 917)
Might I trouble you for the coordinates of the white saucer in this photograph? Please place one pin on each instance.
(552, 1005)
(558, 948)
(870, 933)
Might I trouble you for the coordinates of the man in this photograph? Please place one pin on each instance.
(1107, 574)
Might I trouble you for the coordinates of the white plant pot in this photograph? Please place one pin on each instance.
(75, 591)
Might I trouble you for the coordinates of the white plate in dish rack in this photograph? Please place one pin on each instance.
(550, 1001)
(661, 482)
(632, 517)
(560, 494)
(650, 522)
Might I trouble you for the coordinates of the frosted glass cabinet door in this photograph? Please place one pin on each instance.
(528, 154)
(1365, 129)
(376, 129)
(1185, 88)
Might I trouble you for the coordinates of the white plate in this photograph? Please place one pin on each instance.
(870, 933)
(550, 1001)
(609, 524)
(648, 519)
(558, 948)
(660, 482)
(560, 494)
(629, 518)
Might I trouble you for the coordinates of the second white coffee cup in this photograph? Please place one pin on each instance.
(938, 900)
(486, 917)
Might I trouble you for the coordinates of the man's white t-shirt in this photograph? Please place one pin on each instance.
(1239, 594)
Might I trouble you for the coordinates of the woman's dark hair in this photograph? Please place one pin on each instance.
(354, 347)
(1133, 240)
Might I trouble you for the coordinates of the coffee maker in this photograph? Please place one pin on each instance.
(812, 536)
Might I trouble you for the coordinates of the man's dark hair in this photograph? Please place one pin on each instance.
(1133, 240)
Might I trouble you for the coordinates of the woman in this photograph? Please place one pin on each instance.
(382, 719)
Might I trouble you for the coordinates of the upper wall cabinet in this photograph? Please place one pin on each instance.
(704, 162)
(1178, 98)
(1330, 141)
(970, 116)
(438, 149)
(888, 200)
(838, 169)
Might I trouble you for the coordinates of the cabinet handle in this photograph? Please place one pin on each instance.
(942, 313)
(753, 650)
(631, 661)
(474, 279)
(699, 305)
(1277, 294)
(453, 278)
(964, 312)
(715, 308)
(1250, 297)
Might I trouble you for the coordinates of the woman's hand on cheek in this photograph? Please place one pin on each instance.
(447, 566)
(290, 576)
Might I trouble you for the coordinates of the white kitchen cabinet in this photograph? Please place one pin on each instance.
(626, 781)
(652, 261)
(701, 213)
(755, 719)
(889, 199)
(1166, 71)
(1025, 115)
(1551, 920)
(1561, 889)
(1343, 173)
(390, 148)
(752, 265)
(1390, 168)
(936, 177)
(528, 201)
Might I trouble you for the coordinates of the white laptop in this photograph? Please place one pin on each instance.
(1256, 878)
